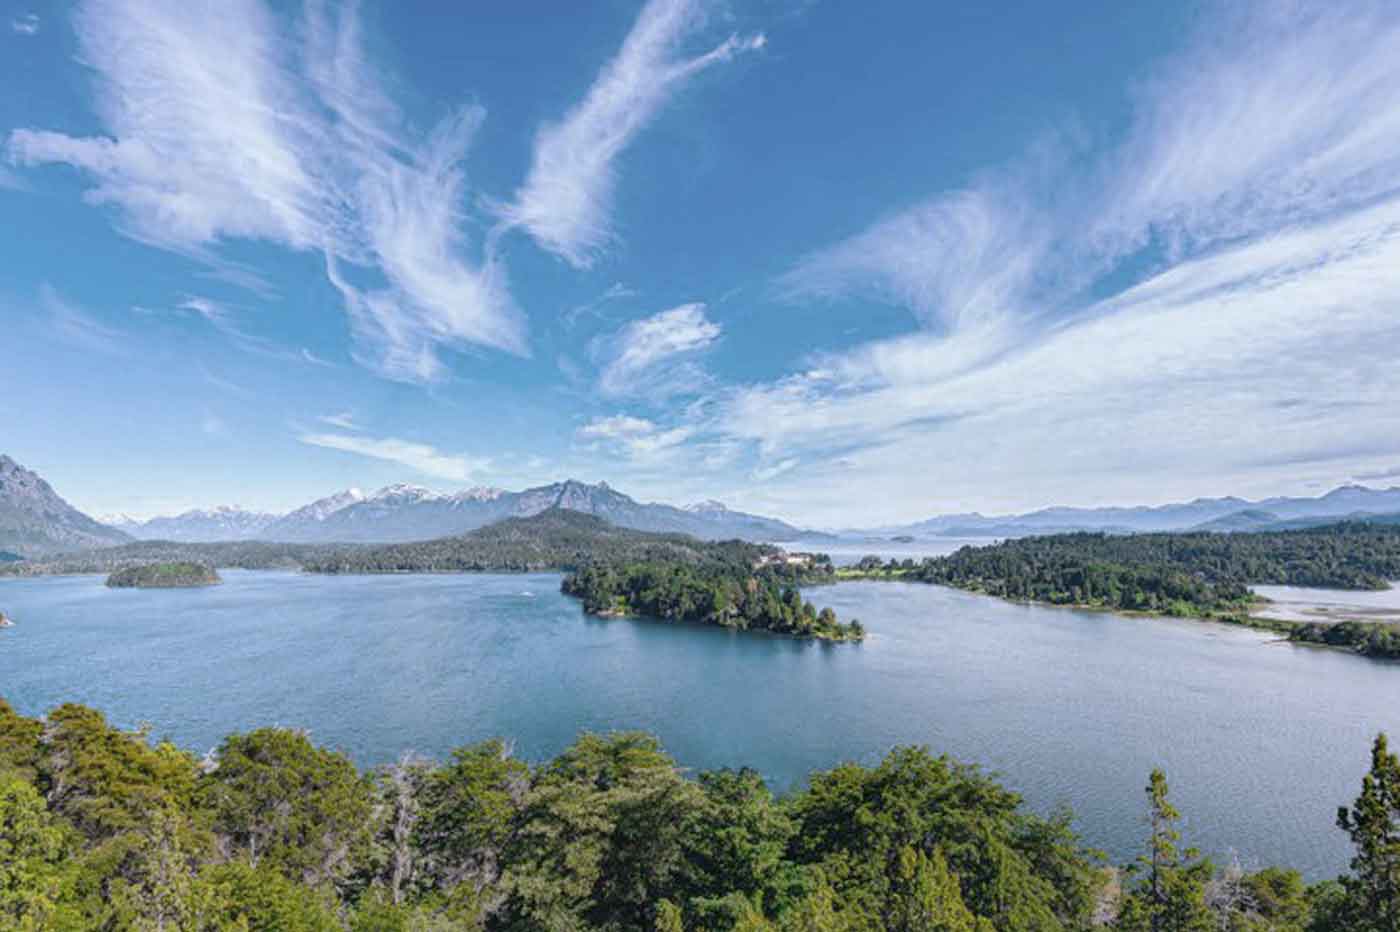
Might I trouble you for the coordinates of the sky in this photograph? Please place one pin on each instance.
(845, 264)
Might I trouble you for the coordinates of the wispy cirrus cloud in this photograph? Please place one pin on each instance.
(636, 437)
(655, 356)
(345, 420)
(421, 457)
(26, 24)
(249, 135)
(566, 200)
(75, 326)
(1246, 227)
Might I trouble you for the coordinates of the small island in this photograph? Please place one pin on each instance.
(164, 576)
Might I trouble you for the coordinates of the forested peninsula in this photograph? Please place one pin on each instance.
(1199, 574)
(102, 830)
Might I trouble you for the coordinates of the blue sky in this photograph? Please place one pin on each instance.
(843, 263)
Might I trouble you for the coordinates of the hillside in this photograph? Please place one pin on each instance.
(557, 538)
(35, 521)
(553, 539)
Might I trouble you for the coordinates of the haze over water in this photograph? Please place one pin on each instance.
(1261, 741)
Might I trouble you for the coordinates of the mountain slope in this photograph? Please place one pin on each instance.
(34, 520)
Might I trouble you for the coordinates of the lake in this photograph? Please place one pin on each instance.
(1261, 740)
(1300, 603)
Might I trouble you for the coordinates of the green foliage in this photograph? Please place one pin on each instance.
(1171, 893)
(36, 870)
(854, 822)
(100, 829)
(177, 575)
(278, 800)
(722, 592)
(467, 810)
(1373, 822)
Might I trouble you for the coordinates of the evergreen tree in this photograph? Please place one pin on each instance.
(1373, 822)
(1171, 894)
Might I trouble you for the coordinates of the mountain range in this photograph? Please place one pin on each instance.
(35, 521)
(1213, 514)
(400, 513)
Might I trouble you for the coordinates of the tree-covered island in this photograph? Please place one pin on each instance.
(176, 575)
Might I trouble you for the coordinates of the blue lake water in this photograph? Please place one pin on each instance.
(1261, 741)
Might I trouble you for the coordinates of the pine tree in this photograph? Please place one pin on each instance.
(1171, 897)
(1373, 822)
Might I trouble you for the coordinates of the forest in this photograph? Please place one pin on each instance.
(556, 539)
(1196, 574)
(103, 829)
(180, 575)
(718, 593)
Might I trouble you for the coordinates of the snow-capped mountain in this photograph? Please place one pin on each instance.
(406, 512)
(225, 522)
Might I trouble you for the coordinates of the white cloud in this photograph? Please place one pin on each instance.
(1178, 385)
(1389, 472)
(77, 327)
(566, 201)
(637, 438)
(425, 459)
(1257, 177)
(957, 261)
(773, 470)
(1278, 113)
(26, 24)
(345, 420)
(240, 133)
(654, 355)
(212, 311)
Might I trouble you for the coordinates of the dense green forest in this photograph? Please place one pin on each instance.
(243, 555)
(557, 539)
(180, 575)
(1195, 574)
(102, 830)
(733, 596)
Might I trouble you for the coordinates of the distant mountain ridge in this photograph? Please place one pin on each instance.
(34, 520)
(402, 513)
(1224, 514)
(226, 522)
